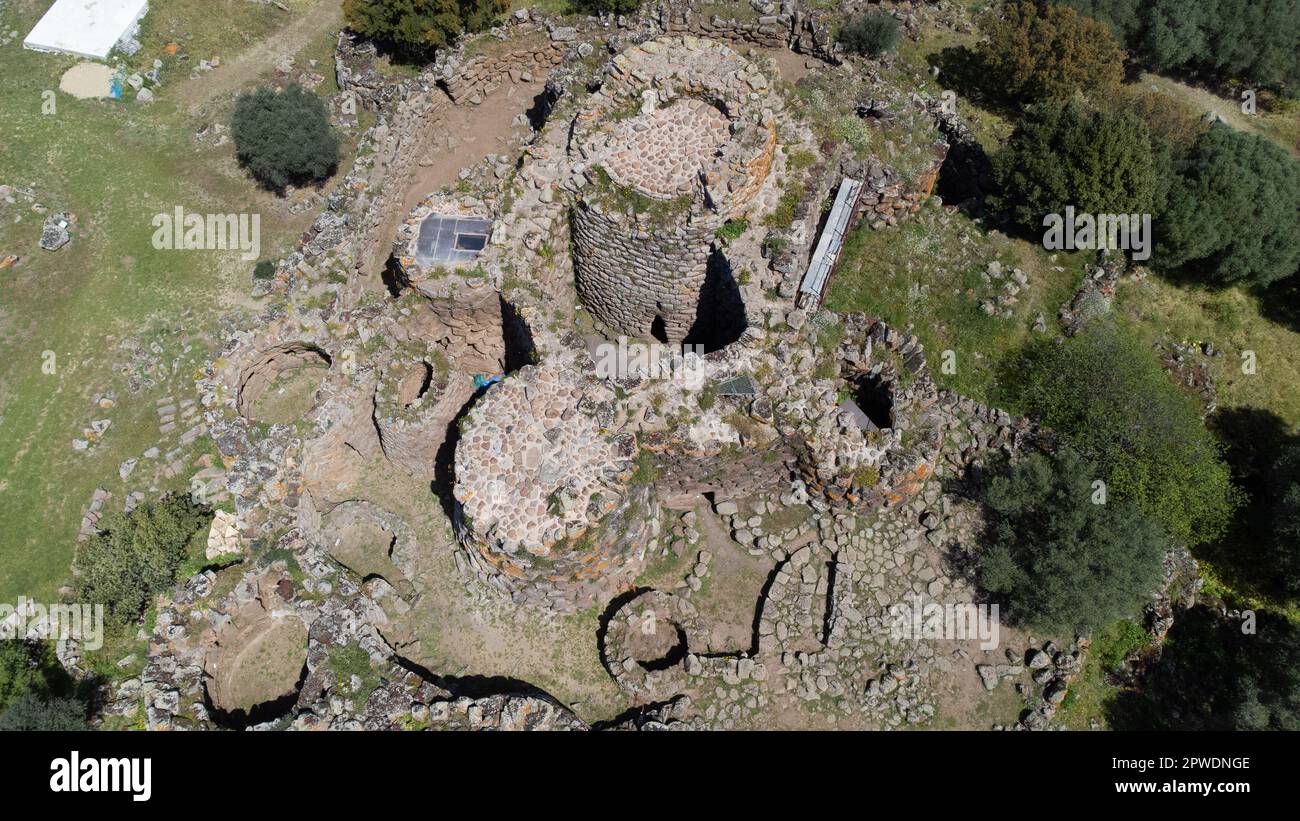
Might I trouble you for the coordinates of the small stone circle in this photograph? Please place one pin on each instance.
(647, 644)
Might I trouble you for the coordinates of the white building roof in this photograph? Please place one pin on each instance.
(88, 28)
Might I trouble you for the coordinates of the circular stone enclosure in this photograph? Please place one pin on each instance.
(678, 139)
(280, 386)
(256, 662)
(646, 642)
(667, 148)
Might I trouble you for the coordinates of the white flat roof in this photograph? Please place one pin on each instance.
(88, 28)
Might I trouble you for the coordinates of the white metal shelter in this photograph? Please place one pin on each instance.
(86, 28)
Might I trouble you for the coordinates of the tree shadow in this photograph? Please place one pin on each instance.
(1253, 438)
(1280, 302)
(1212, 674)
(962, 70)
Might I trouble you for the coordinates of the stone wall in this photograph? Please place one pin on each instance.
(874, 468)
(887, 198)
(641, 268)
(478, 77)
(628, 276)
(607, 561)
(743, 474)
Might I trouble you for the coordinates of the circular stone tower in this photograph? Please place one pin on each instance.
(677, 141)
(549, 511)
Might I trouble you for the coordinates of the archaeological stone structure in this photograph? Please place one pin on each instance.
(676, 142)
(724, 534)
(547, 504)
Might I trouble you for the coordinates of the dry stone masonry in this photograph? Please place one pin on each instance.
(678, 139)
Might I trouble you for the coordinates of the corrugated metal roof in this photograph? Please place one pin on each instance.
(831, 240)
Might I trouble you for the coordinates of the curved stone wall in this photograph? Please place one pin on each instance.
(644, 283)
(548, 511)
(678, 139)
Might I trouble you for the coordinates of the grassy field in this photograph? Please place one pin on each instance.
(113, 310)
(924, 275)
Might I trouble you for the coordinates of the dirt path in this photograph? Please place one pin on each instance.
(457, 137)
(471, 133)
(1227, 109)
(248, 65)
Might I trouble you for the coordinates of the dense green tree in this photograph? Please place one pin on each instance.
(32, 713)
(870, 34)
(1174, 33)
(1104, 390)
(284, 138)
(18, 674)
(1035, 52)
(1067, 154)
(1123, 17)
(1234, 211)
(418, 28)
(137, 555)
(1284, 515)
(1212, 675)
(1256, 42)
(1062, 561)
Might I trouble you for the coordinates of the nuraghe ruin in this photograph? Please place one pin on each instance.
(809, 445)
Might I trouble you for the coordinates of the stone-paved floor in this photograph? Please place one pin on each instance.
(663, 150)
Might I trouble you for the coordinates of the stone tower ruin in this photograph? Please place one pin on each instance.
(676, 142)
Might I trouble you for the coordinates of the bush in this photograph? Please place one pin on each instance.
(1062, 562)
(604, 6)
(284, 138)
(264, 269)
(416, 29)
(18, 673)
(1212, 676)
(31, 713)
(1116, 642)
(1038, 52)
(870, 34)
(1066, 154)
(1234, 211)
(137, 555)
(1105, 392)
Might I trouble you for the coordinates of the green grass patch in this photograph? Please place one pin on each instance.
(923, 276)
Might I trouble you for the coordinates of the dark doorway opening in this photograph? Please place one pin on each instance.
(659, 330)
(875, 399)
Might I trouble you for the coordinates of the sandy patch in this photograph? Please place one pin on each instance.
(87, 80)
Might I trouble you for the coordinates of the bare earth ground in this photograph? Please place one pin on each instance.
(252, 63)
(87, 80)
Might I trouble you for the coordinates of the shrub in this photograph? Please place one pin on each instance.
(1106, 393)
(604, 6)
(264, 269)
(1234, 211)
(870, 34)
(18, 674)
(1116, 642)
(415, 29)
(137, 555)
(1213, 676)
(732, 230)
(1067, 154)
(1061, 561)
(284, 138)
(31, 713)
(1038, 52)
